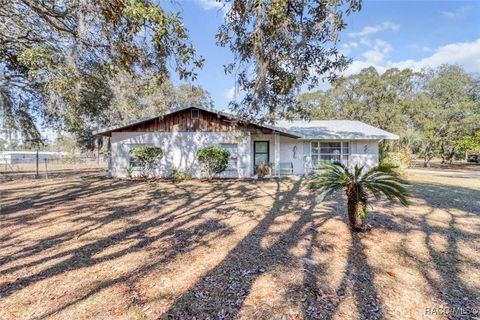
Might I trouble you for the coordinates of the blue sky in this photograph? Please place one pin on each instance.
(415, 34)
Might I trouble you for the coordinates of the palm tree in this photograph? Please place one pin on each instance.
(360, 187)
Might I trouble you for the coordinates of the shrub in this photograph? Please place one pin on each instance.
(401, 159)
(146, 156)
(129, 171)
(180, 175)
(213, 159)
(263, 169)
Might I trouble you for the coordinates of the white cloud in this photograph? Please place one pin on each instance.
(465, 54)
(230, 93)
(460, 12)
(368, 30)
(377, 53)
(210, 4)
(347, 47)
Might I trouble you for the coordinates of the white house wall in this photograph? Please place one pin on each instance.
(180, 150)
(364, 153)
(291, 150)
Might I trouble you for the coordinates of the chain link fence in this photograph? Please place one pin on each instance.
(45, 168)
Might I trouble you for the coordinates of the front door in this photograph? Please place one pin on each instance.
(261, 152)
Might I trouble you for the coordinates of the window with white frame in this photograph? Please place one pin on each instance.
(232, 148)
(330, 151)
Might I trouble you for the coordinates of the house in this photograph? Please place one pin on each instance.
(293, 148)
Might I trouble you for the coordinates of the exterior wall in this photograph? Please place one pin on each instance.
(286, 152)
(291, 150)
(180, 150)
(364, 153)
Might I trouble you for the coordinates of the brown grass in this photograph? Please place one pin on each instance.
(93, 248)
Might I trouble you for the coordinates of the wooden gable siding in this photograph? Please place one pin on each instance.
(182, 122)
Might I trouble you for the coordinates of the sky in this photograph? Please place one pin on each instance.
(403, 34)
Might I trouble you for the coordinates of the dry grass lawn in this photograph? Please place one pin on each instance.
(94, 248)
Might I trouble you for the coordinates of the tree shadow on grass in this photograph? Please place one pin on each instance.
(453, 217)
(221, 293)
(223, 290)
(357, 281)
(193, 208)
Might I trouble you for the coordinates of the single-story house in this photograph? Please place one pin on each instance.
(292, 147)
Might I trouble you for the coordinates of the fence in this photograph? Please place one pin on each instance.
(52, 168)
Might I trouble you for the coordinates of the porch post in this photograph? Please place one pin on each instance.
(276, 154)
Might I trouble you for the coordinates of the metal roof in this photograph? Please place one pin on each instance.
(336, 129)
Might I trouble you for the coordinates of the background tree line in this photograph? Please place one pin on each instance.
(436, 112)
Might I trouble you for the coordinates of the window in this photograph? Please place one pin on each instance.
(195, 113)
(330, 151)
(232, 148)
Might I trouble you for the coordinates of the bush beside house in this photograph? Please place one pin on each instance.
(214, 160)
(146, 157)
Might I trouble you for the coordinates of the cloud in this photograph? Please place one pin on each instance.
(379, 49)
(214, 4)
(347, 47)
(230, 93)
(368, 30)
(458, 13)
(210, 4)
(465, 54)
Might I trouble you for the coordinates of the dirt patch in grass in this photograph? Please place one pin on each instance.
(97, 248)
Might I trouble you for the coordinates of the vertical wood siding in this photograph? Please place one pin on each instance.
(182, 122)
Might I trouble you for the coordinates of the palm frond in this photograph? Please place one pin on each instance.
(379, 181)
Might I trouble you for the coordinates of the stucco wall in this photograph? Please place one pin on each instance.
(180, 150)
(291, 150)
(364, 153)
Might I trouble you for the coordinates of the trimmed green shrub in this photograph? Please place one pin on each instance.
(180, 175)
(213, 159)
(146, 156)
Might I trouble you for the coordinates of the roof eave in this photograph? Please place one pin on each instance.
(350, 138)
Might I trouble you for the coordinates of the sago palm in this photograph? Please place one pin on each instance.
(360, 187)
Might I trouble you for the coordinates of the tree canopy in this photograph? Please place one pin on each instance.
(279, 47)
(432, 111)
(57, 58)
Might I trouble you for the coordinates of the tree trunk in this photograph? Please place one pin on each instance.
(352, 205)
